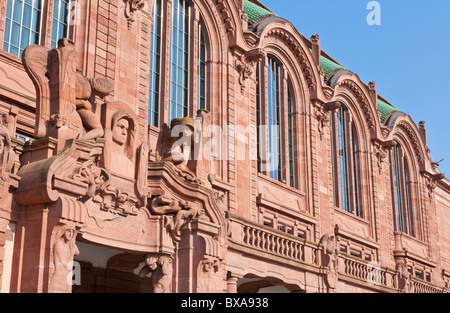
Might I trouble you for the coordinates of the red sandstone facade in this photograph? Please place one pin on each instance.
(119, 203)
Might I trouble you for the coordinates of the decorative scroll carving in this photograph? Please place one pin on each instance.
(245, 65)
(381, 151)
(161, 267)
(131, 7)
(330, 259)
(63, 250)
(323, 115)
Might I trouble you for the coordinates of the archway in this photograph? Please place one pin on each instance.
(100, 269)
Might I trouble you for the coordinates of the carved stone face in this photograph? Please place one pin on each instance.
(120, 132)
(68, 234)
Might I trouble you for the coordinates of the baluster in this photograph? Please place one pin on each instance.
(296, 251)
(246, 235)
(264, 244)
(273, 243)
(252, 237)
(258, 238)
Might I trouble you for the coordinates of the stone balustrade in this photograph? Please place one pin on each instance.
(274, 242)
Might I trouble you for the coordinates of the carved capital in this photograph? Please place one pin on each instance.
(245, 65)
(131, 7)
(322, 114)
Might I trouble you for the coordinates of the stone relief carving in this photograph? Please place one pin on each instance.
(206, 269)
(63, 250)
(323, 115)
(245, 65)
(380, 151)
(69, 102)
(330, 259)
(161, 267)
(176, 146)
(131, 7)
(7, 154)
(430, 184)
(404, 277)
(177, 213)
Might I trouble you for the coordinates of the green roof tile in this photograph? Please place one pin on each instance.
(328, 66)
(385, 109)
(255, 11)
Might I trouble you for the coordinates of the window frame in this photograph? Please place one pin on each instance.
(154, 107)
(46, 24)
(286, 97)
(193, 22)
(351, 174)
(402, 193)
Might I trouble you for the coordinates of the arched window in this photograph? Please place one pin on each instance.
(275, 120)
(290, 134)
(402, 192)
(179, 60)
(24, 23)
(185, 60)
(155, 65)
(201, 70)
(344, 149)
(60, 25)
(274, 116)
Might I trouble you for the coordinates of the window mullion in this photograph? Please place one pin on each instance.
(351, 165)
(264, 114)
(403, 192)
(285, 173)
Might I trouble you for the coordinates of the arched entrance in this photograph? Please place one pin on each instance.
(100, 269)
(254, 284)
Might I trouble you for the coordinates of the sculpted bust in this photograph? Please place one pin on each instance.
(122, 145)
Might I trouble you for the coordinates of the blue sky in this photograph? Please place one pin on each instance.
(408, 55)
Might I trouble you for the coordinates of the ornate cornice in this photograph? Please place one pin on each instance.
(226, 15)
(362, 99)
(413, 139)
(296, 48)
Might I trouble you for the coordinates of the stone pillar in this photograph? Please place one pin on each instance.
(232, 280)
